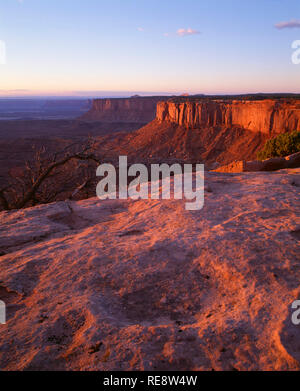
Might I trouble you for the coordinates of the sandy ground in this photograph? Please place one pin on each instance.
(147, 285)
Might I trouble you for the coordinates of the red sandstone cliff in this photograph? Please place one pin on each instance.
(209, 130)
(136, 109)
(212, 130)
(266, 116)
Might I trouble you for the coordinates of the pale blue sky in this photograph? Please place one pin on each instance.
(233, 46)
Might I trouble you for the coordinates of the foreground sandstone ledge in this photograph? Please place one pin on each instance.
(148, 285)
(272, 164)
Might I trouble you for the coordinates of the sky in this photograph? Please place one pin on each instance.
(119, 47)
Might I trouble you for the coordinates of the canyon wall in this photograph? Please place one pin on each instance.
(135, 109)
(266, 116)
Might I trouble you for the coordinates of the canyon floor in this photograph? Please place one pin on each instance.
(147, 285)
(19, 140)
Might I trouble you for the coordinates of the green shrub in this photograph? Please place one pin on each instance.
(283, 145)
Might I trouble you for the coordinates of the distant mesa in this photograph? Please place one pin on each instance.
(209, 130)
(199, 128)
(135, 109)
(266, 116)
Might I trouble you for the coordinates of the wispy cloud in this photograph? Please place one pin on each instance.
(294, 23)
(184, 32)
(141, 29)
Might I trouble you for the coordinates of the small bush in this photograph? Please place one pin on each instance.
(283, 145)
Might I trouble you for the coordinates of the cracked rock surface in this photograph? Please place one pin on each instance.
(148, 285)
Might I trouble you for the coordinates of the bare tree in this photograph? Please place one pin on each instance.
(65, 173)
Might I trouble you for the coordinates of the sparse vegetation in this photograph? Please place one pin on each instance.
(51, 177)
(282, 145)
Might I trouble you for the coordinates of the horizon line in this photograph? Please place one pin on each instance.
(130, 94)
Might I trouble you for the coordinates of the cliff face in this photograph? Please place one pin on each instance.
(266, 116)
(207, 129)
(137, 109)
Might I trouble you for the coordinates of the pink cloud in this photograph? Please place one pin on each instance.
(184, 32)
(288, 25)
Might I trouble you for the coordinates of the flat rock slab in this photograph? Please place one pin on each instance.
(147, 285)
